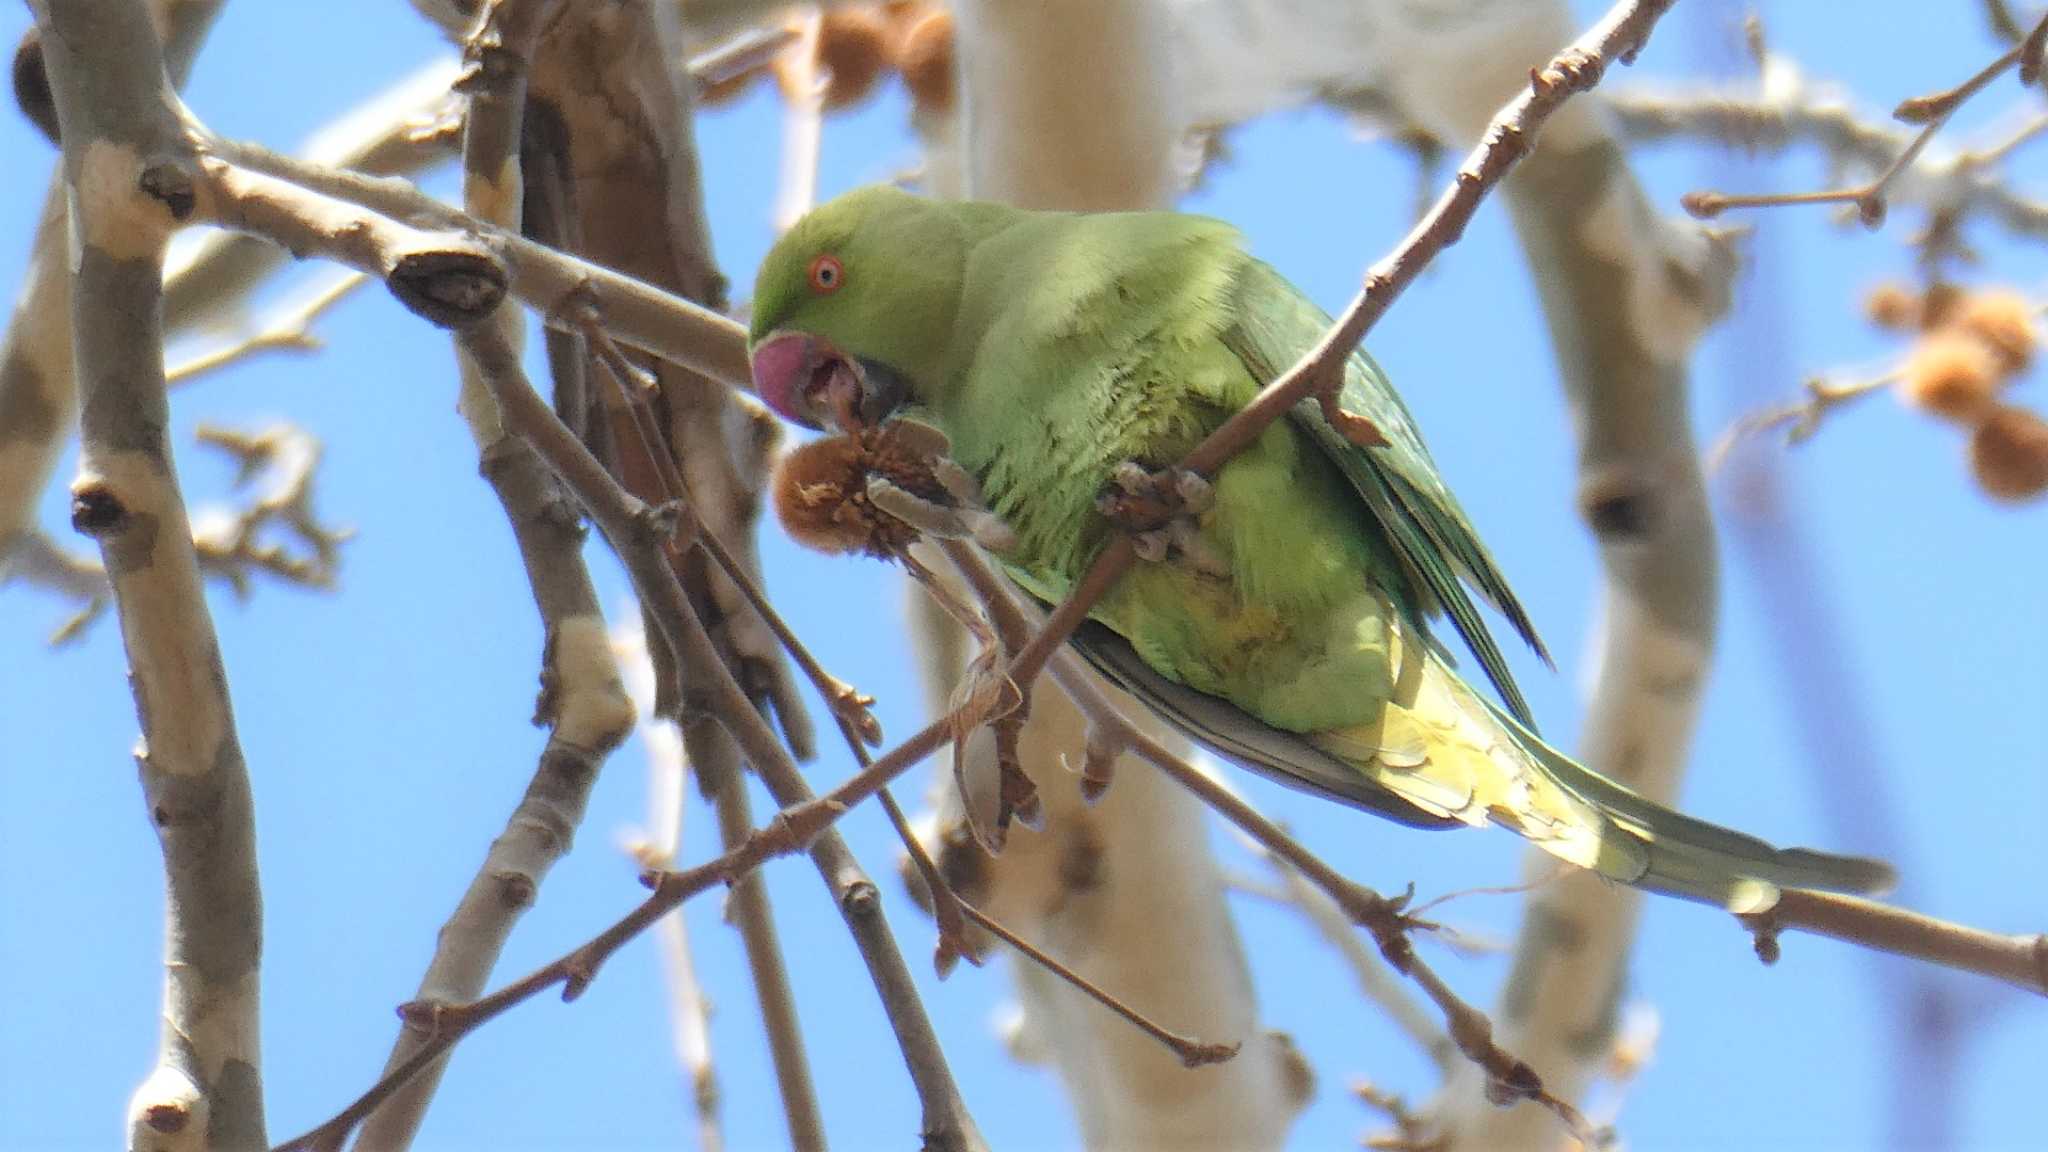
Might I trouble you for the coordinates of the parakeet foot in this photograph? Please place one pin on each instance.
(1160, 511)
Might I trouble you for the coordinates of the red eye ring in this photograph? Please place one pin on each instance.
(826, 274)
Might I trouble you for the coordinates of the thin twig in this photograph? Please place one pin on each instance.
(639, 535)
(2021, 961)
(1932, 112)
(847, 703)
(441, 1026)
(288, 332)
(1800, 420)
(1192, 1053)
(1369, 969)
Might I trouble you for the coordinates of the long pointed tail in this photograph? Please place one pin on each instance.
(1442, 748)
(1688, 857)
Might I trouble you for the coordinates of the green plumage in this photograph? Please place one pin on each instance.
(1051, 347)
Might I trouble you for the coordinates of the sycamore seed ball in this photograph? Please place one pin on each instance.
(2009, 454)
(820, 492)
(1939, 304)
(2004, 321)
(1952, 375)
(926, 58)
(1892, 305)
(853, 52)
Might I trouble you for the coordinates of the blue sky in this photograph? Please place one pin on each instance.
(386, 725)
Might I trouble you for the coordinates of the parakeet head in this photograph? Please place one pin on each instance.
(852, 306)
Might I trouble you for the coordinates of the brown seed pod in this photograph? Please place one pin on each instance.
(926, 58)
(821, 498)
(1939, 304)
(854, 46)
(2009, 454)
(1892, 305)
(1952, 375)
(2004, 321)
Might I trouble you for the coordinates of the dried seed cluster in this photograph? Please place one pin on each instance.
(860, 45)
(1969, 346)
(821, 498)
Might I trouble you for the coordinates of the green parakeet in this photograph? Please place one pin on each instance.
(1052, 348)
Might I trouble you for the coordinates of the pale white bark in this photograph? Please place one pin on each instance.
(127, 172)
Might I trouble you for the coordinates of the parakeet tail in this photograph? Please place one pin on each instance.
(1689, 857)
(1446, 750)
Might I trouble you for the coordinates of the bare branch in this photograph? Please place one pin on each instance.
(129, 171)
(639, 535)
(1931, 112)
(288, 331)
(582, 698)
(2021, 961)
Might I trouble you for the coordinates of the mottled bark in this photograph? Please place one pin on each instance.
(128, 173)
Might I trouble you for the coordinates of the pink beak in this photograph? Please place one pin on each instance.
(782, 370)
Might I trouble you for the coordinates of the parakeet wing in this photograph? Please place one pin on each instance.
(1228, 730)
(1274, 325)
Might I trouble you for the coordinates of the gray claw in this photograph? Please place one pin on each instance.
(918, 437)
(916, 511)
(957, 481)
(1130, 476)
(1196, 494)
(1184, 538)
(991, 533)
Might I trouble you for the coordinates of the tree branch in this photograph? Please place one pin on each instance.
(639, 535)
(2021, 961)
(128, 174)
(582, 698)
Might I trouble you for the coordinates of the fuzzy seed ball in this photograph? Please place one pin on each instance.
(820, 492)
(2004, 321)
(1939, 304)
(926, 58)
(1892, 305)
(1952, 375)
(2009, 454)
(853, 52)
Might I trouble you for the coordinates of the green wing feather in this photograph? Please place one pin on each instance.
(1274, 325)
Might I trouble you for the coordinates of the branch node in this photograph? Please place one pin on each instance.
(424, 1017)
(1197, 1055)
(861, 900)
(452, 287)
(170, 181)
(168, 1118)
(95, 509)
(794, 828)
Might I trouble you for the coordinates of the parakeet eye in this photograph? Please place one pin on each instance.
(826, 273)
